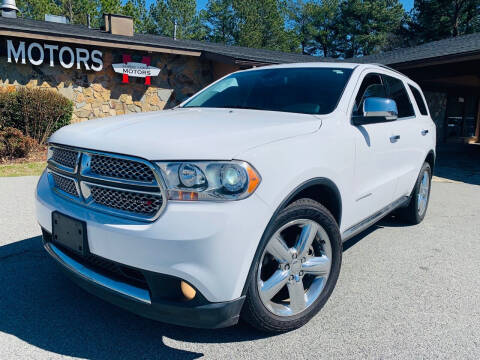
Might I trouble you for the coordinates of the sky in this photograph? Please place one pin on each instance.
(407, 4)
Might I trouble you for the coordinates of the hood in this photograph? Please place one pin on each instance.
(186, 134)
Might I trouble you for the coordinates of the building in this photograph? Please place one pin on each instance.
(449, 73)
(114, 71)
(81, 64)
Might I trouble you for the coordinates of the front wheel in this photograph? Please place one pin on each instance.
(298, 267)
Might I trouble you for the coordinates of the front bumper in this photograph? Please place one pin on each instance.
(199, 313)
(209, 245)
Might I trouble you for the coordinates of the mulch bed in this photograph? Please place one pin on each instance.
(37, 155)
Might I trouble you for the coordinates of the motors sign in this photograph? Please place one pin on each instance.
(136, 69)
(52, 54)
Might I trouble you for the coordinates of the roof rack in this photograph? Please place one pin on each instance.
(389, 68)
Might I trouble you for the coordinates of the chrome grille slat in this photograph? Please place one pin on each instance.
(65, 157)
(120, 169)
(130, 201)
(121, 185)
(65, 184)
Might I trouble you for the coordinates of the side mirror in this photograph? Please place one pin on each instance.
(376, 110)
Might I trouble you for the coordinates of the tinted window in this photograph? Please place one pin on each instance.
(419, 100)
(372, 86)
(396, 91)
(299, 90)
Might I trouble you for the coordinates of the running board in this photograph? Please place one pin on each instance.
(364, 224)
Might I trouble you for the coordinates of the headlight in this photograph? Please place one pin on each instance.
(205, 180)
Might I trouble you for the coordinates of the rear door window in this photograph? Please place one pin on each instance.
(396, 91)
(419, 100)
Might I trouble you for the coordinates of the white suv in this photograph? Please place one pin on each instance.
(236, 203)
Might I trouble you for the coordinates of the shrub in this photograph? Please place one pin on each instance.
(36, 112)
(13, 143)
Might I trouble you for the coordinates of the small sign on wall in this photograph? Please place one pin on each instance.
(136, 69)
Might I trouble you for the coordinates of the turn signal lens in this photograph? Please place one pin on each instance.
(187, 291)
(253, 179)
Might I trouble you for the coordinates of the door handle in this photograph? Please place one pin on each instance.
(424, 132)
(394, 138)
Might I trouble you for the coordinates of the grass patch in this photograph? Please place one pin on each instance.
(23, 169)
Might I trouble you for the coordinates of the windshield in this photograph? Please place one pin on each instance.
(298, 90)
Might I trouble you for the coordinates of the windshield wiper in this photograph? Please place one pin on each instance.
(241, 107)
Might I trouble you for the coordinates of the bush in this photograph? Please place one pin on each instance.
(13, 143)
(36, 112)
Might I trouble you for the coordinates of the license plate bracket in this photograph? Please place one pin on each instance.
(69, 233)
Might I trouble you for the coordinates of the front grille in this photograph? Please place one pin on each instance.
(65, 184)
(121, 185)
(134, 202)
(64, 157)
(121, 169)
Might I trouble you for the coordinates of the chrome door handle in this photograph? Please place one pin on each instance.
(394, 138)
(424, 132)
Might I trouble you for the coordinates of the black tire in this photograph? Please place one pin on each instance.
(254, 311)
(410, 214)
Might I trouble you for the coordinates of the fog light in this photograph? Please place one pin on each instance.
(187, 291)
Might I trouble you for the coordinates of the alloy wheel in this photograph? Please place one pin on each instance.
(294, 267)
(423, 193)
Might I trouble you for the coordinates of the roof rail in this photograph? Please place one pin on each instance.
(389, 68)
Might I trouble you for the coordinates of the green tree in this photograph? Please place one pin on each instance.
(110, 7)
(314, 22)
(36, 9)
(77, 11)
(165, 13)
(219, 20)
(137, 9)
(364, 26)
(261, 24)
(439, 19)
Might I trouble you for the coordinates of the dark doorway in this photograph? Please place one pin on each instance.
(461, 118)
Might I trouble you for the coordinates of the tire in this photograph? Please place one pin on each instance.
(414, 213)
(284, 312)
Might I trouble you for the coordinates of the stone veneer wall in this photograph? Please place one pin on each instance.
(101, 94)
(437, 104)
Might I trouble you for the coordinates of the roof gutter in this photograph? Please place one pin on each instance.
(446, 59)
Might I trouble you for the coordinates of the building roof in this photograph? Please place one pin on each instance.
(236, 54)
(460, 46)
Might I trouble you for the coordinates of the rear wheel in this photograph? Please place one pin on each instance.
(297, 268)
(415, 212)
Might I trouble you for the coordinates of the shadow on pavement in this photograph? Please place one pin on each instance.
(459, 162)
(40, 306)
(388, 221)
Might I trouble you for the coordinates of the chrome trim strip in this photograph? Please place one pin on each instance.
(62, 167)
(85, 273)
(86, 192)
(366, 223)
(60, 191)
(86, 172)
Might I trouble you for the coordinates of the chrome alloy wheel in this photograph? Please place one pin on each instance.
(294, 267)
(423, 193)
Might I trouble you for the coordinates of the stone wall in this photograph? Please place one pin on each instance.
(101, 94)
(437, 104)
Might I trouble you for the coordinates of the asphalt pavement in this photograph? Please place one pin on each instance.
(404, 292)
